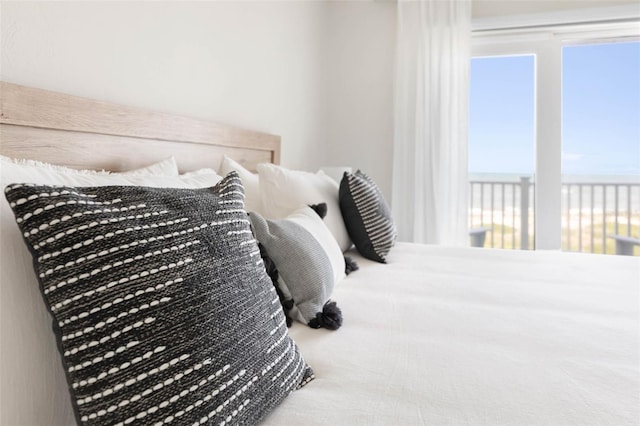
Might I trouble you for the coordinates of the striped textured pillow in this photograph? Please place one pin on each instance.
(161, 305)
(367, 216)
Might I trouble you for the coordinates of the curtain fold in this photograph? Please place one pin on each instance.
(430, 183)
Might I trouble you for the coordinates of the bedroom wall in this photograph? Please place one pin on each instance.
(251, 64)
(360, 45)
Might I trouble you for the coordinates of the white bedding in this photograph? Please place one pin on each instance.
(444, 336)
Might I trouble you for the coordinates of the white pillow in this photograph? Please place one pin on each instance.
(251, 182)
(166, 167)
(34, 388)
(284, 191)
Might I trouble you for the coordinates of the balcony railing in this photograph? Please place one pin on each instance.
(597, 217)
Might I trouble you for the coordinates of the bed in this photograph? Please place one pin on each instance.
(437, 335)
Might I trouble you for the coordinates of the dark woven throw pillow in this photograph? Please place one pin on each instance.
(160, 302)
(367, 216)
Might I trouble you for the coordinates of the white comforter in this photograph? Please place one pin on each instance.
(445, 336)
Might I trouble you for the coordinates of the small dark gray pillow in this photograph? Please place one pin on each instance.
(161, 306)
(367, 216)
(309, 262)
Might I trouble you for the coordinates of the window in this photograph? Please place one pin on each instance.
(585, 130)
(600, 145)
(502, 149)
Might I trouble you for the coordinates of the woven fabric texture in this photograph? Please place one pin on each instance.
(305, 268)
(367, 216)
(161, 306)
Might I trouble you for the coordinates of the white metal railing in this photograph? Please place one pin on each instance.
(593, 214)
(501, 207)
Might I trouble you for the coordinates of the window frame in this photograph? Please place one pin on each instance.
(546, 43)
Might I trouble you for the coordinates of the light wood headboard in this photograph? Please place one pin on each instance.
(89, 134)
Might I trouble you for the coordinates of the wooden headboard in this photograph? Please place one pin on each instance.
(90, 134)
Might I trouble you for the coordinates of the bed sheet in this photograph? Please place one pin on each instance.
(453, 336)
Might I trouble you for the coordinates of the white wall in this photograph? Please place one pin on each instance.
(319, 74)
(251, 64)
(360, 46)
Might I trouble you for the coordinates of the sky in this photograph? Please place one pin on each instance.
(601, 111)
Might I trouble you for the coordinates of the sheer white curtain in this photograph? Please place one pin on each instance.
(431, 120)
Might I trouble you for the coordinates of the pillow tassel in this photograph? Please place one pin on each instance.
(330, 317)
(320, 209)
(272, 271)
(350, 265)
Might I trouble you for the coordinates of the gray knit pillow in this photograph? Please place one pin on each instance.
(309, 262)
(160, 303)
